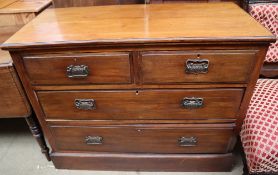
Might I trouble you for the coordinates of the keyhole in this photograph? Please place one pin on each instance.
(198, 55)
(137, 93)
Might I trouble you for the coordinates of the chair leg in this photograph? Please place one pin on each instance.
(37, 133)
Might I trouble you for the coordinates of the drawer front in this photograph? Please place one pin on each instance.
(94, 68)
(143, 104)
(201, 66)
(143, 139)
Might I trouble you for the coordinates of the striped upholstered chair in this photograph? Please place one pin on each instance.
(259, 133)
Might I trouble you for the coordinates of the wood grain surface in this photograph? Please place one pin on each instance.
(5, 3)
(5, 59)
(13, 101)
(104, 68)
(142, 104)
(24, 6)
(141, 23)
(224, 66)
(145, 138)
(145, 162)
(85, 3)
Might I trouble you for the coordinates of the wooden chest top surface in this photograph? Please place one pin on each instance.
(141, 23)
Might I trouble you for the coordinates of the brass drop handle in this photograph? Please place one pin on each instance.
(196, 66)
(77, 71)
(187, 141)
(93, 140)
(85, 104)
(192, 102)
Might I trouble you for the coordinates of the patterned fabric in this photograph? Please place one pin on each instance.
(267, 15)
(259, 134)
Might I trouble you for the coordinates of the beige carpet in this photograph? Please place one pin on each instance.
(20, 155)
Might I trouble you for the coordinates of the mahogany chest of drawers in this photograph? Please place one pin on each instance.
(132, 88)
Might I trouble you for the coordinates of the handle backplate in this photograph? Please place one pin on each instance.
(192, 102)
(187, 141)
(85, 104)
(77, 71)
(196, 66)
(93, 140)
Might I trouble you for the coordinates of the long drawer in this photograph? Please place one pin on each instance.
(79, 68)
(145, 138)
(216, 66)
(142, 104)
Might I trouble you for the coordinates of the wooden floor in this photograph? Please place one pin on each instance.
(20, 155)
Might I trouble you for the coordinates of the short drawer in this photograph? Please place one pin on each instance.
(145, 138)
(142, 104)
(91, 68)
(200, 66)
